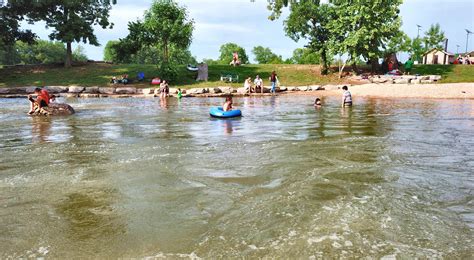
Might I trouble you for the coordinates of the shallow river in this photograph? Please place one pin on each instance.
(139, 178)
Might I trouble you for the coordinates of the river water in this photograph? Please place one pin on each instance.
(138, 178)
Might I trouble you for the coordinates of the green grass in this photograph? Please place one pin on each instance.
(449, 73)
(100, 74)
(290, 75)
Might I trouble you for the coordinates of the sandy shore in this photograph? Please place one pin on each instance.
(435, 91)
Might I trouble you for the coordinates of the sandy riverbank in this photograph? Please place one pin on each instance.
(435, 91)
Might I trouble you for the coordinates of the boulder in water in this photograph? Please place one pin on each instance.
(55, 109)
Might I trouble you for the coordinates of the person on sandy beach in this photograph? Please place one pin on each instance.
(408, 66)
(273, 80)
(248, 85)
(258, 84)
(346, 97)
(228, 104)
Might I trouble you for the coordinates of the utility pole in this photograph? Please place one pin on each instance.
(467, 38)
(419, 28)
(457, 48)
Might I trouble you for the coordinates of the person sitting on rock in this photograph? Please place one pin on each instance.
(228, 104)
(258, 84)
(248, 85)
(42, 101)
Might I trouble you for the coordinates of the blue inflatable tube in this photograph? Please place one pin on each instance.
(218, 112)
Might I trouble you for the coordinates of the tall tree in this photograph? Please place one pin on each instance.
(11, 15)
(166, 25)
(305, 56)
(365, 27)
(434, 37)
(266, 56)
(227, 50)
(307, 20)
(72, 20)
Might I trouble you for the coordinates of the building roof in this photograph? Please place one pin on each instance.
(436, 49)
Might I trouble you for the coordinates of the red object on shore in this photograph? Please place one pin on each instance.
(156, 81)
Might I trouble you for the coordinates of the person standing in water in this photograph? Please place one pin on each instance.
(273, 80)
(346, 97)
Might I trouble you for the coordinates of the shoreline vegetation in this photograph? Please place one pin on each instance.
(100, 74)
(92, 80)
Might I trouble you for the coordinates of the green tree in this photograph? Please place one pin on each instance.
(79, 54)
(434, 37)
(41, 52)
(307, 20)
(227, 51)
(11, 15)
(110, 52)
(165, 28)
(72, 20)
(305, 56)
(363, 28)
(417, 49)
(266, 56)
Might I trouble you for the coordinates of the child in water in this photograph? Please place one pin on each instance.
(180, 94)
(317, 102)
(346, 97)
(228, 104)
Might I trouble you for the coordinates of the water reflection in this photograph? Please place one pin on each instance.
(41, 129)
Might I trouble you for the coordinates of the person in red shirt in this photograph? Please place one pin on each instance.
(42, 100)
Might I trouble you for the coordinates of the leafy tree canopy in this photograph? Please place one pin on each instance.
(266, 56)
(71, 20)
(305, 56)
(227, 50)
(434, 37)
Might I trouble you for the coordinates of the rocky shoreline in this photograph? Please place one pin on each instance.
(218, 91)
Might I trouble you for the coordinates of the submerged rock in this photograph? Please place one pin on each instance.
(55, 109)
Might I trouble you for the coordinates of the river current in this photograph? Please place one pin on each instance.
(137, 177)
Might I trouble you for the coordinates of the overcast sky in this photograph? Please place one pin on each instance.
(245, 23)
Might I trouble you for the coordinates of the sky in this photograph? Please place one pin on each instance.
(246, 23)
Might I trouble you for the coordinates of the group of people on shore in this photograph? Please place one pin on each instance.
(122, 80)
(460, 60)
(257, 85)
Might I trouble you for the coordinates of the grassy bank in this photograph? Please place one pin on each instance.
(100, 74)
(96, 74)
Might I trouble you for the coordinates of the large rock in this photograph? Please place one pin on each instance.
(173, 91)
(242, 91)
(292, 89)
(314, 88)
(57, 89)
(283, 89)
(88, 95)
(30, 90)
(215, 90)
(126, 90)
(76, 89)
(14, 90)
(303, 88)
(91, 90)
(416, 81)
(435, 77)
(195, 91)
(107, 91)
(402, 81)
(55, 109)
(226, 90)
(148, 91)
(426, 81)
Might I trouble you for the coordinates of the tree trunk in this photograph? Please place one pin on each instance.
(68, 62)
(354, 67)
(374, 62)
(165, 51)
(324, 61)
